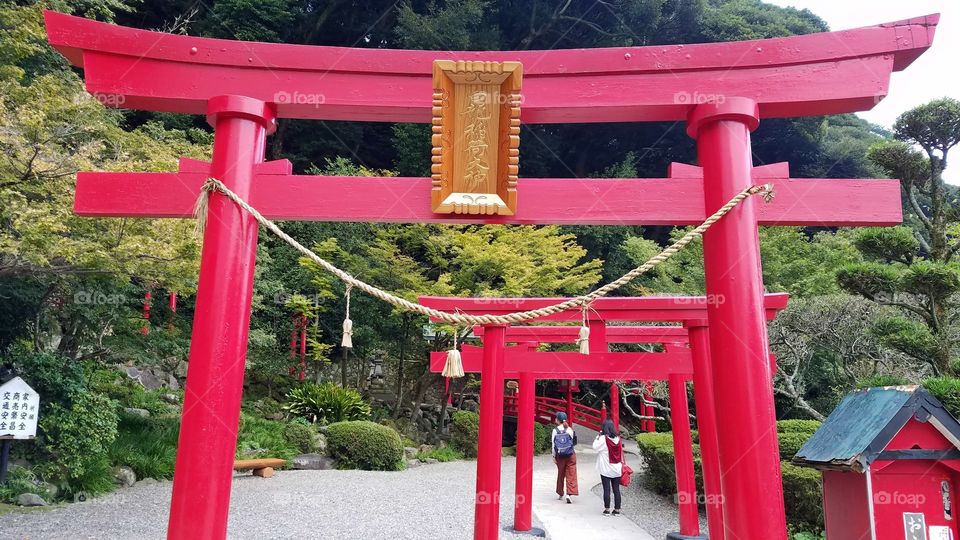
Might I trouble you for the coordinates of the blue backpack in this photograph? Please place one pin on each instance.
(563, 442)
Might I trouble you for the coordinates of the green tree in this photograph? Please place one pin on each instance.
(912, 268)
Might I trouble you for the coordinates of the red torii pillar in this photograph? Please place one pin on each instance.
(218, 345)
(706, 407)
(748, 447)
(490, 438)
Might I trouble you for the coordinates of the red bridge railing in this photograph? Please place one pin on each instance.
(546, 409)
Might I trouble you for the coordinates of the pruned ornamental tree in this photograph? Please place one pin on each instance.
(912, 267)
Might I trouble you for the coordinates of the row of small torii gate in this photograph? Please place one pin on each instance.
(721, 90)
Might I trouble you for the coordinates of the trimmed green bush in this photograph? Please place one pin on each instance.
(802, 497)
(807, 427)
(326, 403)
(301, 436)
(365, 445)
(464, 432)
(801, 486)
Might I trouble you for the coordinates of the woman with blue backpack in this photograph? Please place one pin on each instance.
(563, 440)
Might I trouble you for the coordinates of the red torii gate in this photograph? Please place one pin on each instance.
(495, 362)
(244, 87)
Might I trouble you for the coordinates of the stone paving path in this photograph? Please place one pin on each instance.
(583, 519)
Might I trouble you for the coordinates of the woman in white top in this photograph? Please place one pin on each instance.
(609, 450)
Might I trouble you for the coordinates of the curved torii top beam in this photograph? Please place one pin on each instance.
(814, 74)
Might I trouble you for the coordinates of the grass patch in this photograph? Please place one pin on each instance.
(442, 454)
(146, 445)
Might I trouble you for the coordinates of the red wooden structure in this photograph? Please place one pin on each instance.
(677, 364)
(890, 459)
(242, 88)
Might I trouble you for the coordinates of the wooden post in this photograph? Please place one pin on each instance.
(706, 425)
(218, 346)
(486, 523)
(4, 459)
(683, 462)
(748, 448)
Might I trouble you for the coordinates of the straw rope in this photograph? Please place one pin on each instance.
(212, 184)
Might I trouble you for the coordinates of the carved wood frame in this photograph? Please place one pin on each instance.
(476, 137)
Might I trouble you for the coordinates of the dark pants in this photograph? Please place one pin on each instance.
(611, 484)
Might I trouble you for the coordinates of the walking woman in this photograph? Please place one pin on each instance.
(563, 439)
(609, 450)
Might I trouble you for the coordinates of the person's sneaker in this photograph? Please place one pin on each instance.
(560, 498)
(569, 501)
(606, 512)
(616, 513)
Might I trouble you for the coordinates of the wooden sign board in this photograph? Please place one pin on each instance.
(476, 137)
(19, 410)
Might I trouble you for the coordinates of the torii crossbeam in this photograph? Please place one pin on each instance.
(243, 88)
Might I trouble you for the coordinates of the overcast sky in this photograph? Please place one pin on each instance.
(934, 75)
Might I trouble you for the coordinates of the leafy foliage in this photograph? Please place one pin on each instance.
(80, 436)
(146, 445)
(465, 432)
(326, 403)
(365, 445)
(947, 390)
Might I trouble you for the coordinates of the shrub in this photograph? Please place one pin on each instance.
(465, 432)
(881, 380)
(442, 454)
(541, 439)
(80, 436)
(55, 377)
(801, 486)
(146, 445)
(301, 436)
(802, 496)
(793, 434)
(808, 427)
(365, 445)
(947, 390)
(326, 403)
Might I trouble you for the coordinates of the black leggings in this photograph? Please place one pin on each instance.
(608, 484)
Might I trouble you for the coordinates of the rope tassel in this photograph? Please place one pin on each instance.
(453, 367)
(347, 341)
(584, 339)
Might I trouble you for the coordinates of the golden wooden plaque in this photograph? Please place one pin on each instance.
(476, 137)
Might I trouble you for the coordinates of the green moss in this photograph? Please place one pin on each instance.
(442, 454)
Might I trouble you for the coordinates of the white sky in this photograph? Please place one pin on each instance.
(934, 75)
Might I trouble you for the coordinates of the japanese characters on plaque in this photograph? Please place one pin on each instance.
(476, 137)
(19, 410)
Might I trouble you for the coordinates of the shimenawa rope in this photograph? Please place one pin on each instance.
(200, 212)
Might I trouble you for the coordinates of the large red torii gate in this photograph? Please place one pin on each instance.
(244, 87)
(676, 365)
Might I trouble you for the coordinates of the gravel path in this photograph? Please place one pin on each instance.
(430, 501)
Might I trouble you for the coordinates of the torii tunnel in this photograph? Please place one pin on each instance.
(686, 356)
(722, 91)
